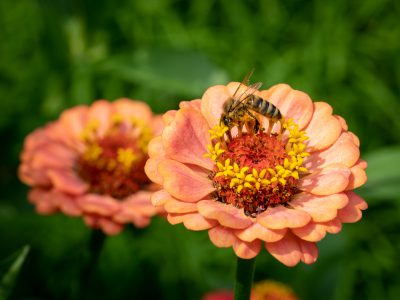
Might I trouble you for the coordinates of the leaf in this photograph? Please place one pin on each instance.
(383, 174)
(9, 270)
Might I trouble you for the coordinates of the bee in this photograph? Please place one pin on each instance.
(238, 110)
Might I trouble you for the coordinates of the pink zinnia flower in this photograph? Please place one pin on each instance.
(90, 162)
(284, 189)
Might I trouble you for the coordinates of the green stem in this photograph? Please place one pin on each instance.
(244, 278)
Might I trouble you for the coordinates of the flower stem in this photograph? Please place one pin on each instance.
(244, 278)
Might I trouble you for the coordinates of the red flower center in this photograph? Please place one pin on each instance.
(114, 163)
(257, 152)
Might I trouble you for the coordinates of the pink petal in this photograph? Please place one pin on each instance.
(195, 221)
(168, 117)
(256, 231)
(320, 208)
(157, 125)
(280, 217)
(184, 183)
(194, 104)
(292, 104)
(175, 218)
(109, 227)
(352, 212)
(67, 182)
(43, 201)
(73, 120)
(100, 110)
(54, 155)
(343, 151)
(358, 176)
(160, 197)
(355, 139)
(286, 250)
(151, 170)
(323, 129)
(186, 138)
(312, 232)
(68, 205)
(139, 203)
(225, 214)
(130, 108)
(309, 252)
(212, 103)
(221, 236)
(247, 250)
(99, 204)
(175, 206)
(330, 180)
(342, 121)
(333, 226)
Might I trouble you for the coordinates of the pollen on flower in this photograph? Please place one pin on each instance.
(255, 170)
(113, 162)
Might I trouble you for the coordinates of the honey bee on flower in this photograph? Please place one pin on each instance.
(283, 186)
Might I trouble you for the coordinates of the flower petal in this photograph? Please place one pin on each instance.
(175, 218)
(352, 212)
(156, 148)
(184, 183)
(100, 110)
(256, 231)
(320, 208)
(309, 252)
(168, 117)
(43, 200)
(151, 170)
(73, 120)
(109, 227)
(212, 103)
(67, 182)
(292, 104)
(221, 236)
(343, 151)
(323, 129)
(175, 206)
(247, 250)
(160, 197)
(280, 217)
(128, 108)
(333, 226)
(195, 221)
(312, 232)
(186, 138)
(286, 250)
(225, 214)
(358, 176)
(330, 180)
(98, 204)
(194, 104)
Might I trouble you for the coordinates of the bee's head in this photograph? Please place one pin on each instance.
(226, 120)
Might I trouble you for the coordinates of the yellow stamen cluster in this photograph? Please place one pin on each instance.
(126, 157)
(89, 132)
(242, 177)
(93, 153)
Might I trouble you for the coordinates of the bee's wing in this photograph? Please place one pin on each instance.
(245, 81)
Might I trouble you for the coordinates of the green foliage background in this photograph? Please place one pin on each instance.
(55, 54)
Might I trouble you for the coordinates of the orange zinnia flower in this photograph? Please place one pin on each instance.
(91, 161)
(285, 188)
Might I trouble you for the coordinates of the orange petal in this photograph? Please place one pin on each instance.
(186, 138)
(43, 200)
(323, 129)
(320, 208)
(68, 205)
(352, 212)
(358, 176)
(160, 197)
(312, 232)
(73, 120)
(175, 218)
(225, 214)
(286, 250)
(280, 217)
(247, 250)
(343, 151)
(194, 104)
(221, 236)
(342, 122)
(256, 231)
(330, 180)
(175, 206)
(98, 204)
(151, 170)
(333, 226)
(131, 108)
(195, 221)
(156, 147)
(184, 183)
(67, 181)
(53, 155)
(309, 252)
(212, 103)
(168, 117)
(292, 104)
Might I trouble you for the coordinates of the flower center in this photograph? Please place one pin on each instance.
(113, 163)
(255, 170)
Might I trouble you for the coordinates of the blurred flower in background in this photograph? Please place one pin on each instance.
(262, 290)
(90, 163)
(285, 189)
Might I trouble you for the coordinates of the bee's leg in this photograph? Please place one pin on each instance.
(270, 125)
(229, 135)
(240, 129)
(256, 126)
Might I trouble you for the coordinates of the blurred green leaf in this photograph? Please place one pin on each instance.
(9, 270)
(383, 174)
